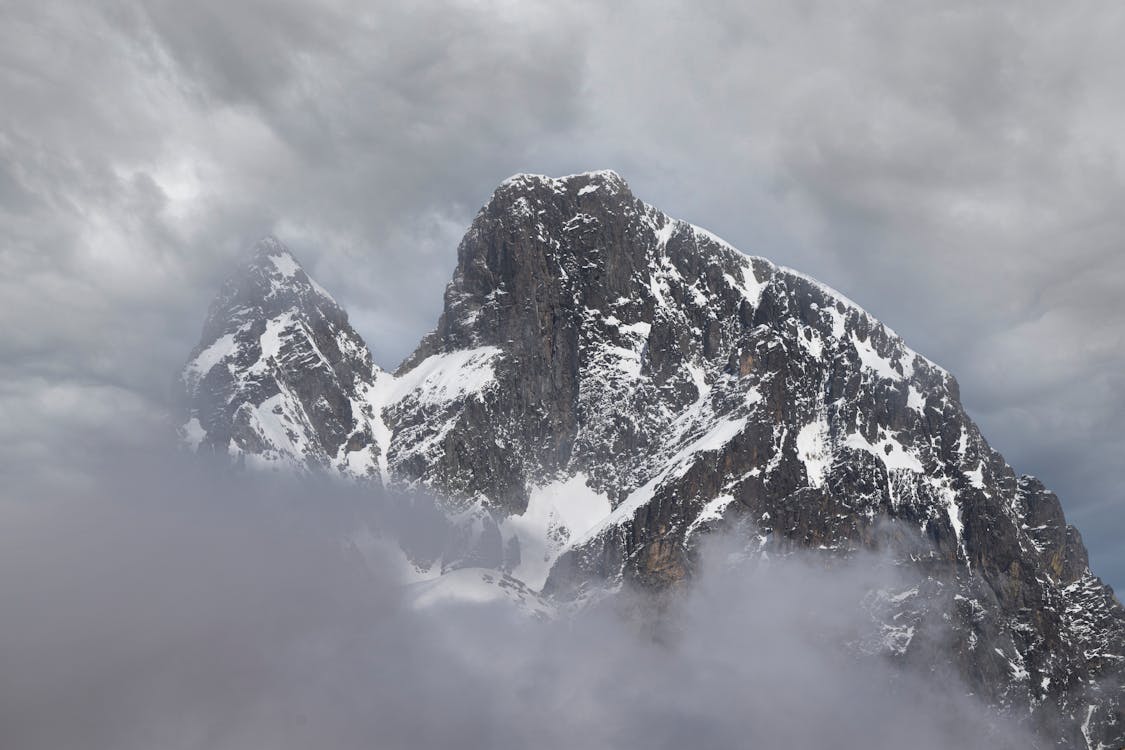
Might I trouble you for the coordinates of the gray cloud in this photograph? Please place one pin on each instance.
(955, 168)
(164, 605)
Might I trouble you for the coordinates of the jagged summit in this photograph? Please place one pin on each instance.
(267, 282)
(277, 374)
(607, 384)
(587, 182)
(274, 259)
(268, 246)
(604, 226)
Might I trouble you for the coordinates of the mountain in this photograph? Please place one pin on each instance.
(606, 385)
(280, 377)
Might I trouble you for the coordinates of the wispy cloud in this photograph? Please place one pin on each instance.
(167, 605)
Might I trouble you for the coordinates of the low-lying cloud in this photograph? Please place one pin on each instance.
(169, 605)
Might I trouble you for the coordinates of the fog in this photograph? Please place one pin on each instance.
(168, 604)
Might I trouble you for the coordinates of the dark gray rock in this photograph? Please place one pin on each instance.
(698, 389)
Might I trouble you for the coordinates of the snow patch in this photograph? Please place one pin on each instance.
(714, 439)
(811, 342)
(963, 442)
(556, 513)
(444, 377)
(948, 497)
(270, 340)
(433, 383)
(813, 451)
(891, 452)
(748, 286)
(275, 424)
(976, 476)
(665, 233)
(641, 329)
(223, 347)
(378, 396)
(712, 511)
(872, 360)
(285, 264)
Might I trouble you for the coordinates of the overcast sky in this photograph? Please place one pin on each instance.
(954, 167)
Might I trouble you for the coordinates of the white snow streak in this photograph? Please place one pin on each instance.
(714, 439)
(556, 513)
(222, 348)
(891, 452)
(873, 361)
(445, 377)
(813, 451)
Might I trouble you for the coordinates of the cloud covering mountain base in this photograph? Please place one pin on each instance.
(168, 606)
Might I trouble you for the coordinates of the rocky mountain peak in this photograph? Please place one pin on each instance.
(278, 373)
(582, 183)
(269, 282)
(537, 238)
(606, 385)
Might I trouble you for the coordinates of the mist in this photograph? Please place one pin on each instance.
(166, 603)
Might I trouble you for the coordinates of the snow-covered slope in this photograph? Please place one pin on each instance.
(607, 384)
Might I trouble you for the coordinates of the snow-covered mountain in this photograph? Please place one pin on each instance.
(607, 384)
(280, 377)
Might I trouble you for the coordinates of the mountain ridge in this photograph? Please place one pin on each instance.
(606, 383)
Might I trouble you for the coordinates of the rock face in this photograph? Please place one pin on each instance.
(607, 384)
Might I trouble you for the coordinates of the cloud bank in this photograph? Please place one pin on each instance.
(165, 605)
